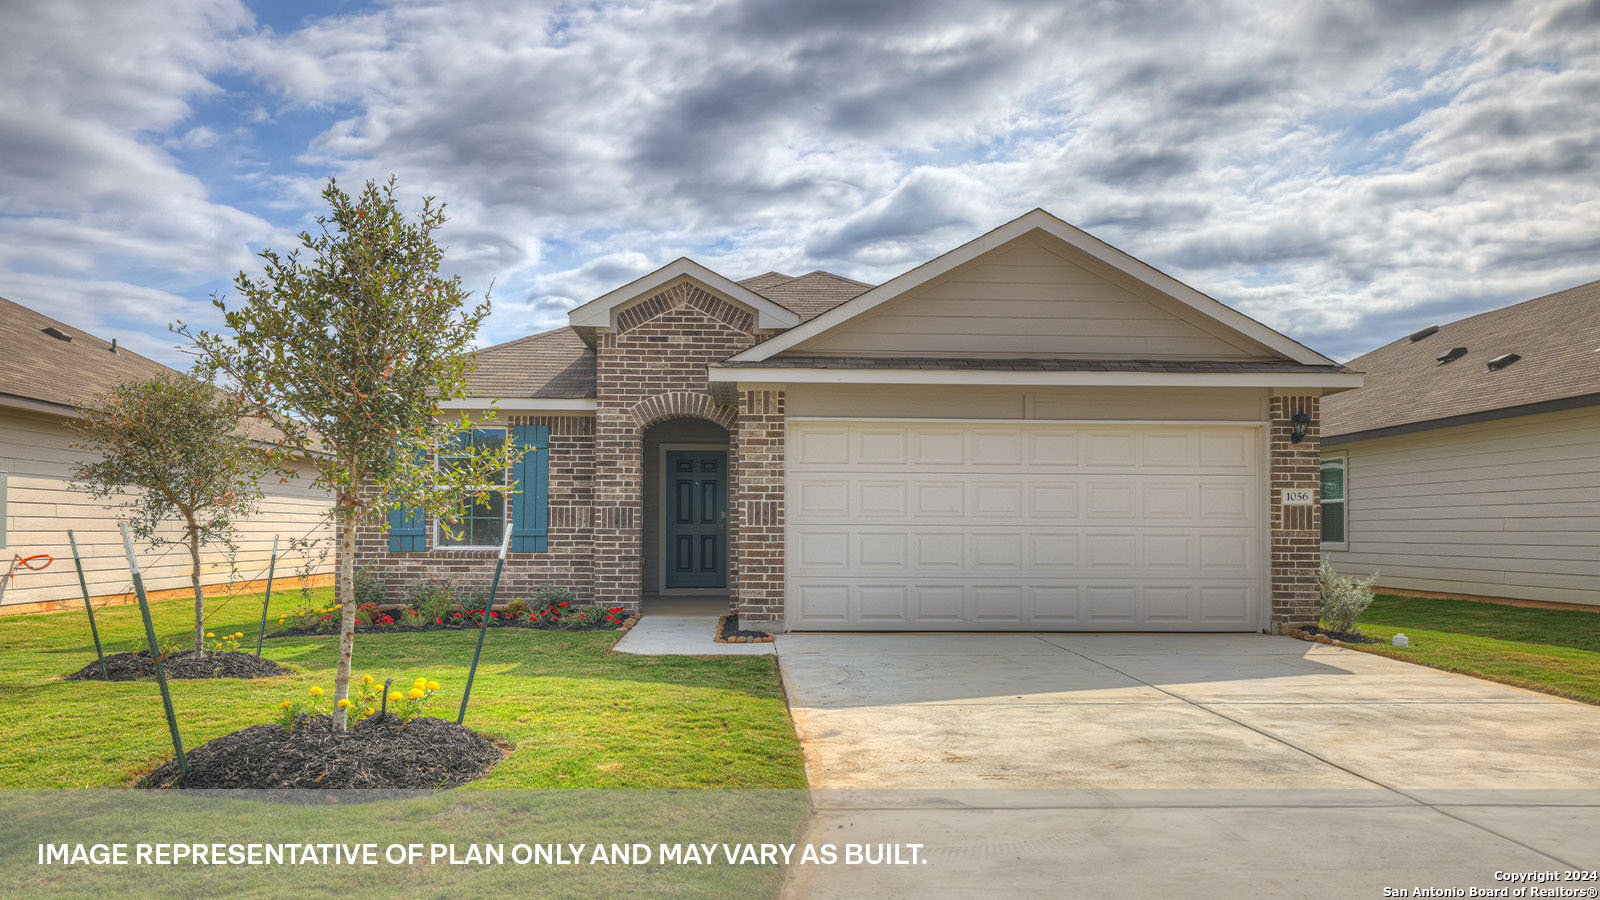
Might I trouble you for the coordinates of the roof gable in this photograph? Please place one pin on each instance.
(601, 311)
(1181, 303)
(1034, 297)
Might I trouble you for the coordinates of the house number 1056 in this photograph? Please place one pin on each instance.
(1297, 496)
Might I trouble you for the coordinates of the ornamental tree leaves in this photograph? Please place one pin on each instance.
(349, 344)
(171, 448)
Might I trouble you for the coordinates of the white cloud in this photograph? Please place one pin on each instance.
(1341, 170)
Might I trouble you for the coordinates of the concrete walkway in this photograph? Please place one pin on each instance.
(1179, 765)
(677, 635)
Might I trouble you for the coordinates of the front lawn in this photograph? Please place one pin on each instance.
(576, 715)
(1556, 651)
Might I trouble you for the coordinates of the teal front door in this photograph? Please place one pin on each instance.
(697, 519)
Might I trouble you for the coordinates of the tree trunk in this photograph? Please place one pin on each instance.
(199, 594)
(346, 594)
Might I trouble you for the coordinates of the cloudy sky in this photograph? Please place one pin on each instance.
(1343, 171)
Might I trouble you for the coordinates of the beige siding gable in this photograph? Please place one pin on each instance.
(1034, 297)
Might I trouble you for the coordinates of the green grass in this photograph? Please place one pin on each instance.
(1556, 651)
(574, 714)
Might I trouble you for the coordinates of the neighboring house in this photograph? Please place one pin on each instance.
(46, 367)
(1469, 463)
(1033, 431)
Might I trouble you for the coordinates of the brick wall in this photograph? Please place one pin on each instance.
(759, 509)
(650, 369)
(1296, 530)
(569, 560)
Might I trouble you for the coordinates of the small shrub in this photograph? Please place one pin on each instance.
(1343, 599)
(369, 588)
(431, 599)
(317, 618)
(228, 643)
(554, 594)
(409, 705)
(516, 609)
(565, 616)
(368, 612)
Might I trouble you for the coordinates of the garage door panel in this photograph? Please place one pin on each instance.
(1015, 527)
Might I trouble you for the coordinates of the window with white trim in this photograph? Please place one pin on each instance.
(1334, 499)
(482, 522)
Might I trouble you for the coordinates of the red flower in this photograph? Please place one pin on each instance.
(438, 621)
(455, 615)
(563, 604)
(494, 615)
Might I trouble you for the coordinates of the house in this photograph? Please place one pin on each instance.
(1033, 431)
(46, 368)
(1469, 463)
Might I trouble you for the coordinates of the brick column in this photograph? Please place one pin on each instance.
(618, 509)
(1296, 530)
(758, 524)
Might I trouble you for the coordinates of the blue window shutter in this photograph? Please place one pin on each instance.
(530, 506)
(408, 528)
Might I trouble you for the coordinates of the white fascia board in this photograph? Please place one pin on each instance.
(597, 312)
(520, 404)
(1038, 220)
(1335, 380)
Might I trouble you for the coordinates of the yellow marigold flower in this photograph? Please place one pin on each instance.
(415, 693)
(280, 620)
(209, 634)
(371, 711)
(238, 634)
(342, 704)
(420, 682)
(396, 696)
(286, 704)
(433, 685)
(367, 679)
(316, 691)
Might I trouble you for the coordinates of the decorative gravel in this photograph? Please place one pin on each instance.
(728, 632)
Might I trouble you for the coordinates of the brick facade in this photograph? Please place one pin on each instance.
(652, 368)
(1296, 530)
(570, 560)
(759, 509)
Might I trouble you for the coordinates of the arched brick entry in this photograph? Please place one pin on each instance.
(681, 405)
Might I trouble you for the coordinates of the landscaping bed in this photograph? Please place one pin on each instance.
(403, 622)
(376, 753)
(138, 665)
(729, 632)
(1348, 637)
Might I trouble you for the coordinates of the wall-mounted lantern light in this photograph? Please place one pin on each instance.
(1298, 426)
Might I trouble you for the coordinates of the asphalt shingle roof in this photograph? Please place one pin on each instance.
(35, 366)
(1557, 336)
(552, 365)
(809, 295)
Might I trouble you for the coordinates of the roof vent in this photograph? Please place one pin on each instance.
(57, 333)
(1419, 335)
(1500, 362)
(1451, 355)
(113, 347)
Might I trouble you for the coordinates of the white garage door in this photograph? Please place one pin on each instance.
(916, 526)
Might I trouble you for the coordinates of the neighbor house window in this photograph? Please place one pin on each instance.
(482, 521)
(1333, 500)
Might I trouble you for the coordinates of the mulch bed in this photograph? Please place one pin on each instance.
(138, 665)
(1347, 637)
(728, 632)
(379, 753)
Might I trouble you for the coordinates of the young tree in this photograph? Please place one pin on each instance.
(350, 350)
(173, 445)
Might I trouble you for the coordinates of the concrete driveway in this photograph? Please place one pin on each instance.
(1180, 765)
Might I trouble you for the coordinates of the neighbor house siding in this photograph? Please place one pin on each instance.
(1037, 297)
(1508, 508)
(37, 457)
